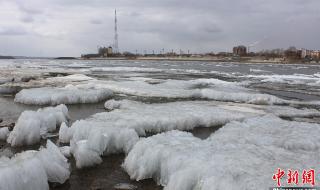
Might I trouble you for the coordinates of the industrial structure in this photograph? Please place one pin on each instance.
(240, 50)
(116, 45)
(112, 50)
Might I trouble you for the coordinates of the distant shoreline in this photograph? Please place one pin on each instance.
(203, 59)
(242, 60)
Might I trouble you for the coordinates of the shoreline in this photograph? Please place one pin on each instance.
(244, 60)
(204, 59)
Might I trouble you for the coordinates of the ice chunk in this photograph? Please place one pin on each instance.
(85, 157)
(240, 155)
(32, 125)
(66, 95)
(125, 186)
(65, 150)
(31, 170)
(90, 140)
(4, 132)
(64, 136)
(7, 152)
(54, 163)
(112, 104)
(252, 98)
(72, 78)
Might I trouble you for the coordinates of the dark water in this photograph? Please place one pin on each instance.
(103, 177)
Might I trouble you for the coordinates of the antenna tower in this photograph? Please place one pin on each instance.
(116, 47)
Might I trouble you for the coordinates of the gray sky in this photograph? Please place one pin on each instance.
(72, 27)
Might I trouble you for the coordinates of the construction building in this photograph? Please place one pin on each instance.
(240, 50)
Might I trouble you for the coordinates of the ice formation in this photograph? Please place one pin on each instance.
(4, 132)
(112, 104)
(67, 95)
(65, 150)
(89, 140)
(240, 155)
(32, 125)
(185, 115)
(118, 131)
(32, 170)
(125, 69)
(251, 98)
(72, 78)
(213, 89)
(311, 80)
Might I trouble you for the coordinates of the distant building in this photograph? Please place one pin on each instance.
(240, 50)
(305, 53)
(105, 51)
(109, 50)
(310, 54)
(315, 55)
(293, 54)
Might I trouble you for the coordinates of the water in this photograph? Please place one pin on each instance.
(291, 82)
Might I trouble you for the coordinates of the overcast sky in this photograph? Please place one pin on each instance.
(72, 27)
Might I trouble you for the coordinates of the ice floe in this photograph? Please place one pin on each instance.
(66, 95)
(312, 80)
(31, 170)
(4, 132)
(117, 131)
(71, 78)
(185, 115)
(32, 125)
(213, 89)
(240, 155)
(124, 69)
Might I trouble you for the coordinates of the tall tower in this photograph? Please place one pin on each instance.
(116, 47)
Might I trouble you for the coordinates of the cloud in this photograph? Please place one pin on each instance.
(96, 21)
(12, 31)
(27, 19)
(202, 26)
